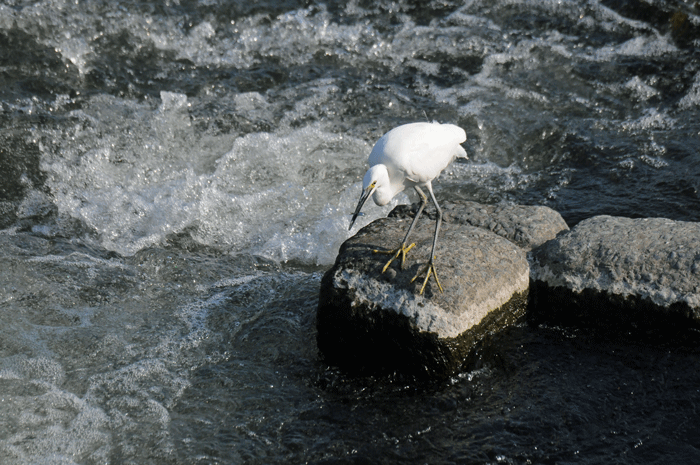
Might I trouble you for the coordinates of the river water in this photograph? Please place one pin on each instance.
(176, 176)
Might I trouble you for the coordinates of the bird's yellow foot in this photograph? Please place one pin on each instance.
(402, 251)
(428, 269)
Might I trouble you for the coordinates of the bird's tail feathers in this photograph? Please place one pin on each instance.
(461, 153)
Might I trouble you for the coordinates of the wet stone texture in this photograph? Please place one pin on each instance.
(372, 321)
(528, 226)
(619, 271)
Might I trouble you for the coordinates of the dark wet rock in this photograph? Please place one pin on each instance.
(619, 271)
(372, 321)
(684, 31)
(528, 226)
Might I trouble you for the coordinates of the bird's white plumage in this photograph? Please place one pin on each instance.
(413, 154)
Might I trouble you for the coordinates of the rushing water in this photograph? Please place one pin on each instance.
(175, 177)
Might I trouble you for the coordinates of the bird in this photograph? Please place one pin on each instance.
(411, 155)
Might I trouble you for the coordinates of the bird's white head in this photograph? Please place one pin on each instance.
(376, 181)
(378, 176)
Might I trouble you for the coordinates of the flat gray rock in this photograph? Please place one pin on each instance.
(367, 319)
(639, 271)
(528, 226)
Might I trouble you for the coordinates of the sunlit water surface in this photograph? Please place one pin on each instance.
(176, 176)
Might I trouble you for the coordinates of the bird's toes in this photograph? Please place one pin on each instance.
(396, 253)
(429, 270)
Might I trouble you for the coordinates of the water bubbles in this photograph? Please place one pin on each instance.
(627, 163)
(692, 97)
(654, 162)
(171, 102)
(640, 89)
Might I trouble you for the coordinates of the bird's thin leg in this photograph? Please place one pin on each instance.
(403, 249)
(429, 268)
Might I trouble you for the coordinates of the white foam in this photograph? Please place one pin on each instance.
(652, 119)
(640, 89)
(655, 162)
(52, 425)
(88, 393)
(641, 46)
(265, 192)
(692, 98)
(230, 282)
(647, 46)
(76, 50)
(7, 16)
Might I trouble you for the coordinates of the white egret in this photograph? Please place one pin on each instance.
(411, 155)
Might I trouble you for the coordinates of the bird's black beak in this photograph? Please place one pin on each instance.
(363, 198)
